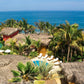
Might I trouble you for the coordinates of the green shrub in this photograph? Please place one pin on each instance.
(5, 47)
(44, 70)
(49, 52)
(33, 54)
(25, 72)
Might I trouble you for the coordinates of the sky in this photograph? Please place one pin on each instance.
(41, 5)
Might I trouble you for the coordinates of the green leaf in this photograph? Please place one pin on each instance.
(44, 69)
(39, 77)
(28, 67)
(79, 56)
(39, 82)
(79, 60)
(21, 67)
(18, 79)
(15, 73)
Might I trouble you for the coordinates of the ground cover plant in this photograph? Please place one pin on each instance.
(31, 72)
(25, 72)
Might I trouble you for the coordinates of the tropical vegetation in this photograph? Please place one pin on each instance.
(30, 46)
(22, 25)
(31, 72)
(67, 40)
(25, 72)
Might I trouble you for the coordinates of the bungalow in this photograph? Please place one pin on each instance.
(9, 33)
(44, 39)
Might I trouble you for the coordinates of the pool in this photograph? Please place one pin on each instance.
(37, 62)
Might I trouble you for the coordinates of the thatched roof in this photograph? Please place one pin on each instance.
(74, 72)
(8, 31)
(20, 38)
(44, 38)
(8, 63)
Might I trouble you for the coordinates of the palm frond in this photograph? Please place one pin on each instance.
(21, 67)
(15, 73)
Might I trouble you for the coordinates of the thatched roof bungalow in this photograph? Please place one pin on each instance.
(9, 32)
(44, 38)
(20, 38)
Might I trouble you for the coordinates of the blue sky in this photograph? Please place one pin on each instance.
(18, 5)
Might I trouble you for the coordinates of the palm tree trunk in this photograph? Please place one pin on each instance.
(68, 53)
(62, 52)
(71, 54)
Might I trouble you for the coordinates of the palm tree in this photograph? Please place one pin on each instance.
(31, 28)
(50, 28)
(47, 26)
(21, 48)
(24, 24)
(20, 23)
(70, 35)
(28, 41)
(2, 25)
(56, 41)
(12, 44)
(10, 22)
(40, 25)
(81, 43)
(66, 37)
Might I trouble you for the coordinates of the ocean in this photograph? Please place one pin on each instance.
(53, 17)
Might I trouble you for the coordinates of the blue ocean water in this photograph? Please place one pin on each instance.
(54, 17)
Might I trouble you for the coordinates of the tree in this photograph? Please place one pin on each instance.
(28, 41)
(40, 25)
(71, 33)
(21, 49)
(24, 24)
(31, 28)
(66, 37)
(49, 28)
(10, 22)
(20, 23)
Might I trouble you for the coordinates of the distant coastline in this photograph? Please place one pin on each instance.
(53, 17)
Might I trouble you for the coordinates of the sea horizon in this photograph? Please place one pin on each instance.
(51, 16)
(39, 10)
